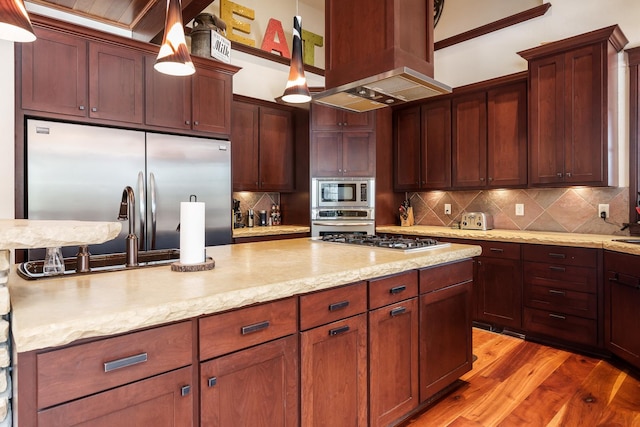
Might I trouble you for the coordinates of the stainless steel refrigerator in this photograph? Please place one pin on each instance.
(79, 172)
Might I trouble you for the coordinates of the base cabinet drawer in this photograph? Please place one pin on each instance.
(163, 400)
(562, 326)
(561, 300)
(84, 369)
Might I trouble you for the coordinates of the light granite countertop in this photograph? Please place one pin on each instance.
(26, 233)
(518, 236)
(269, 231)
(56, 311)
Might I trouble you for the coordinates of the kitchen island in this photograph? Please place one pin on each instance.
(175, 310)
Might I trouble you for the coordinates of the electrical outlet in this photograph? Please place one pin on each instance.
(447, 208)
(603, 207)
(519, 209)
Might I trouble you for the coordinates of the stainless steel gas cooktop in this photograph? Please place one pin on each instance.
(400, 244)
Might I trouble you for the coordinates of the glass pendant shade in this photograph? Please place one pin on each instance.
(296, 91)
(15, 25)
(174, 58)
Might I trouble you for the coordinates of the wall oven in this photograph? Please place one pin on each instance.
(342, 205)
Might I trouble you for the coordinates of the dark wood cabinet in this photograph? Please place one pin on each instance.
(445, 325)
(201, 102)
(393, 347)
(422, 147)
(167, 98)
(498, 285)
(263, 152)
(333, 119)
(257, 386)
(249, 366)
(561, 293)
(572, 109)
(490, 137)
(211, 100)
(621, 302)
(333, 357)
(163, 400)
(65, 74)
(336, 154)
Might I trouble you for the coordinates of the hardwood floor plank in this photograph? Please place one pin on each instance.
(518, 383)
(543, 404)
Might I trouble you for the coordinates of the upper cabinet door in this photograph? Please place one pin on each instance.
(406, 149)
(358, 153)
(507, 136)
(329, 118)
(115, 83)
(212, 92)
(469, 141)
(245, 141)
(436, 145)
(276, 150)
(167, 98)
(54, 74)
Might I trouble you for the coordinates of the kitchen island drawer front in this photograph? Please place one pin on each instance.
(333, 304)
(580, 279)
(84, 369)
(565, 255)
(561, 300)
(441, 276)
(391, 289)
(228, 332)
(500, 249)
(561, 326)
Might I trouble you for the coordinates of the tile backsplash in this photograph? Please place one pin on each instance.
(554, 209)
(256, 201)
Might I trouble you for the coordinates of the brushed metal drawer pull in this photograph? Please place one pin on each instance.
(338, 305)
(557, 316)
(212, 381)
(623, 279)
(184, 390)
(337, 331)
(554, 268)
(554, 255)
(498, 250)
(398, 311)
(255, 327)
(553, 291)
(397, 289)
(125, 362)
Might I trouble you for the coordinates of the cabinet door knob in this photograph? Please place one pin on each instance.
(81, 108)
(196, 123)
(490, 179)
(94, 109)
(568, 174)
(212, 381)
(481, 179)
(187, 122)
(184, 390)
(559, 174)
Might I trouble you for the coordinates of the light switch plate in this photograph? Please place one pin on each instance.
(519, 209)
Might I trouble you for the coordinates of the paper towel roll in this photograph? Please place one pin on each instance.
(191, 232)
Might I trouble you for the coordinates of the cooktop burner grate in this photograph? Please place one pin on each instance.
(383, 241)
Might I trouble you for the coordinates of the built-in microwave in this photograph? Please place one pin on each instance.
(343, 192)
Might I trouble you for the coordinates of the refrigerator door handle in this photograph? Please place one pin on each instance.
(142, 204)
(152, 188)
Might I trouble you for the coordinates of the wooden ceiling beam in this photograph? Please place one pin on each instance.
(150, 27)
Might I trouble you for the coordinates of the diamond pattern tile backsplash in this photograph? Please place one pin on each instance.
(256, 201)
(557, 209)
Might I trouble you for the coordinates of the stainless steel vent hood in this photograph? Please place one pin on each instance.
(382, 90)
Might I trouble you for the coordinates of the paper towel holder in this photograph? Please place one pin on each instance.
(208, 263)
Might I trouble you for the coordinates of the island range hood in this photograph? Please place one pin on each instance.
(378, 56)
(382, 90)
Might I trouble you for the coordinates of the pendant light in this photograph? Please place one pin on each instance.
(15, 25)
(296, 91)
(174, 58)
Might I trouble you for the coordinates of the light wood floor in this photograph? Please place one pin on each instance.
(520, 383)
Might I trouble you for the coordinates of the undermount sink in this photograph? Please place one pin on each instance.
(635, 241)
(32, 270)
